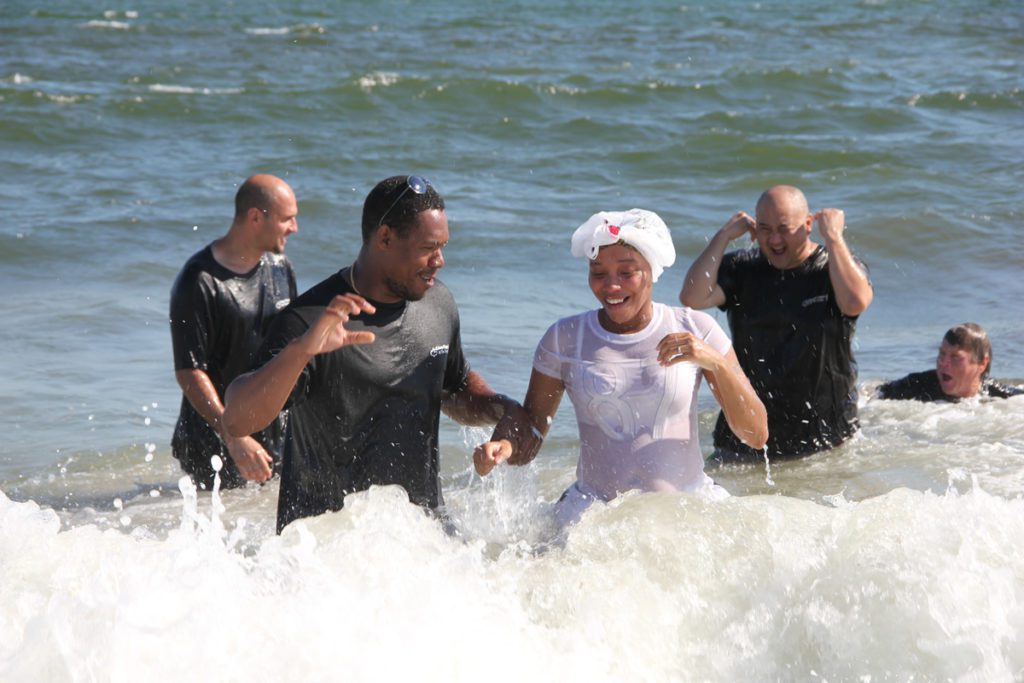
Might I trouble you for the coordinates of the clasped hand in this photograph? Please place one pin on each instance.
(514, 439)
(831, 223)
(741, 223)
(680, 347)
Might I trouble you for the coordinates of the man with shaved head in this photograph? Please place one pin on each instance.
(792, 306)
(222, 304)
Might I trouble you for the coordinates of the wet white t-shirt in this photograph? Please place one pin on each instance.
(637, 420)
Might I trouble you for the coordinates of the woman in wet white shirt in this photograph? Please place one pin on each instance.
(632, 369)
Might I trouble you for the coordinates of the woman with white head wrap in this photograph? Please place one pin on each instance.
(632, 369)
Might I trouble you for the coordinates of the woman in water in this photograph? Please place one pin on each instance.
(632, 369)
(961, 371)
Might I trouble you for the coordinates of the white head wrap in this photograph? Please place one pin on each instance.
(643, 230)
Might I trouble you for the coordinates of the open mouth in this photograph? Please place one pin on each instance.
(615, 301)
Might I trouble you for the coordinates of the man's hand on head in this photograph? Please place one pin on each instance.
(831, 223)
(741, 223)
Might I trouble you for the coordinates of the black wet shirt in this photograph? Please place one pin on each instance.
(925, 386)
(368, 414)
(793, 342)
(218, 321)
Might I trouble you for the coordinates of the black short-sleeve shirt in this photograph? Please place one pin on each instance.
(368, 414)
(924, 386)
(794, 344)
(218, 320)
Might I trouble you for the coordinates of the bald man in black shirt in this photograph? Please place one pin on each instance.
(792, 306)
(222, 304)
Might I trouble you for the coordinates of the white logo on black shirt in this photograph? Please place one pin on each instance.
(438, 350)
(815, 300)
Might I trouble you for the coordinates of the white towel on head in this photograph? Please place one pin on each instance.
(641, 229)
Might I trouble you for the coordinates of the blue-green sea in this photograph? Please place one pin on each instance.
(125, 130)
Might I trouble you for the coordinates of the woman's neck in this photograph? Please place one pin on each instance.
(631, 326)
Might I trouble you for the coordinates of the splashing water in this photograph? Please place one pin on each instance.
(193, 521)
(653, 587)
(767, 468)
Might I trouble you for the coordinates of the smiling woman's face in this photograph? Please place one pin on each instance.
(620, 278)
(959, 372)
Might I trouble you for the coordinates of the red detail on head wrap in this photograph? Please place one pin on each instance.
(614, 230)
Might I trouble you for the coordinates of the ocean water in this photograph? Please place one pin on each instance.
(124, 131)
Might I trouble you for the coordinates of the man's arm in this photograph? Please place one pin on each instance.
(518, 436)
(476, 403)
(251, 459)
(849, 281)
(700, 286)
(255, 398)
(191, 318)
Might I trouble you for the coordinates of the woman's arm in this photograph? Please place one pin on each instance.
(743, 410)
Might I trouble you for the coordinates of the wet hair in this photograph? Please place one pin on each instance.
(253, 195)
(407, 207)
(972, 338)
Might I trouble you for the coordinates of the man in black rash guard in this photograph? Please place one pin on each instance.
(961, 371)
(222, 304)
(365, 361)
(792, 306)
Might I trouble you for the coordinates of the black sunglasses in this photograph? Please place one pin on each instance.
(415, 183)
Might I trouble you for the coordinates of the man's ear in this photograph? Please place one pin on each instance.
(383, 237)
(254, 215)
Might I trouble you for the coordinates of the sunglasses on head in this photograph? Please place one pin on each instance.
(415, 183)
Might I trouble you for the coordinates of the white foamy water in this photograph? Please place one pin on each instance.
(378, 79)
(116, 25)
(267, 31)
(188, 90)
(651, 587)
(895, 557)
(312, 29)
